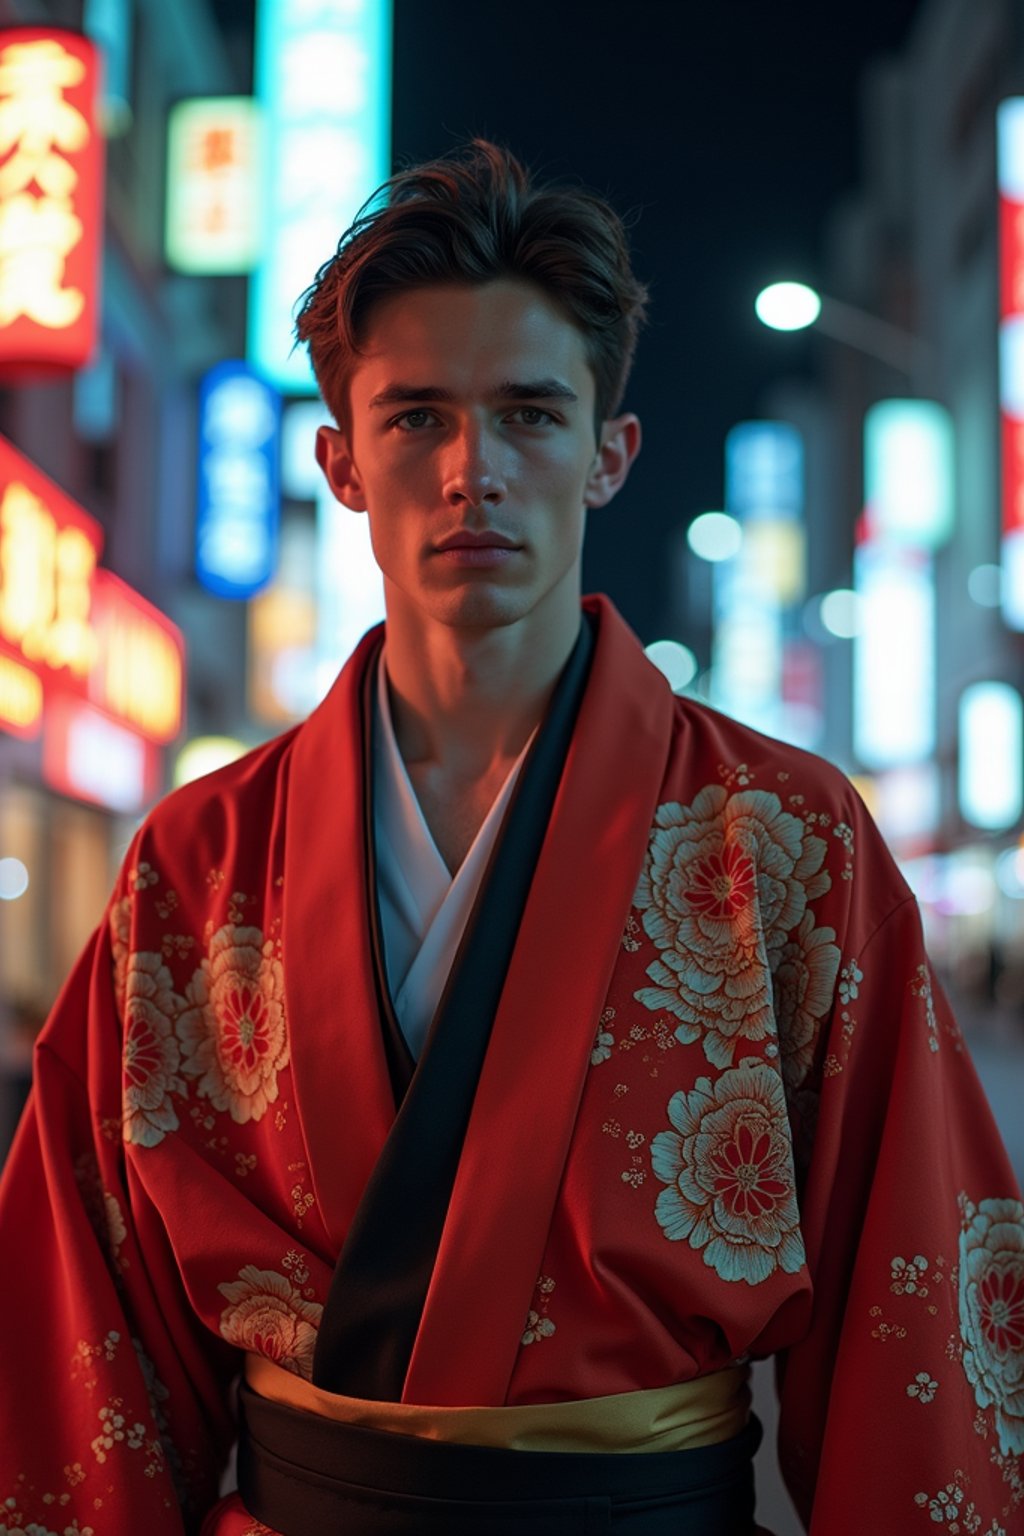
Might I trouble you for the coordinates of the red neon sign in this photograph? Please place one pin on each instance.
(1011, 308)
(78, 627)
(140, 665)
(51, 180)
(91, 756)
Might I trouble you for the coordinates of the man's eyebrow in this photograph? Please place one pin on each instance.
(509, 389)
(400, 394)
(535, 389)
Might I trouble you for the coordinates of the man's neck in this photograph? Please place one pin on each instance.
(464, 703)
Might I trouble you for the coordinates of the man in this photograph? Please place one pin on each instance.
(491, 1067)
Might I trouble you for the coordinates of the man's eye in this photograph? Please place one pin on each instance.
(411, 421)
(533, 416)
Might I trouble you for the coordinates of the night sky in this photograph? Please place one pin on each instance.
(725, 129)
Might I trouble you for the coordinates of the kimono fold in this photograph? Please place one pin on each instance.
(724, 1112)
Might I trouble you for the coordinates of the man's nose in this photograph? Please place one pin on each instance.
(472, 469)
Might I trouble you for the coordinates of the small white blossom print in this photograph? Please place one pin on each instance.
(140, 878)
(923, 1387)
(537, 1328)
(921, 987)
(907, 1279)
(604, 1039)
(850, 978)
(538, 1325)
(115, 1429)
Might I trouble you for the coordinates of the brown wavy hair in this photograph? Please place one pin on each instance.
(473, 216)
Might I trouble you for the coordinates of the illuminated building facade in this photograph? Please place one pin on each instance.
(101, 349)
(914, 498)
(162, 570)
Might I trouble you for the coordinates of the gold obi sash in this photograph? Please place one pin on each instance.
(705, 1411)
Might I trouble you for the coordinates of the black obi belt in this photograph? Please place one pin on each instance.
(306, 1475)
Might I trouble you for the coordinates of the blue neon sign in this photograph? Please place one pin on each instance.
(764, 471)
(239, 491)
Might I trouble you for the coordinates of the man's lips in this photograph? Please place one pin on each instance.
(467, 540)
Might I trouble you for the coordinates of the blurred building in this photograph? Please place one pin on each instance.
(171, 591)
(918, 247)
(109, 446)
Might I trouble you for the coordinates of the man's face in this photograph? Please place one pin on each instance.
(472, 410)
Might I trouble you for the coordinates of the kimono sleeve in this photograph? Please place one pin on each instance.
(903, 1406)
(114, 1411)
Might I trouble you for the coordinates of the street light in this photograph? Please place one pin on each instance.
(794, 306)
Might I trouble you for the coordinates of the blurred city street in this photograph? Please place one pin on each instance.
(331, 332)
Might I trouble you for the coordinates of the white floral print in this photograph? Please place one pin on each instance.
(850, 978)
(725, 881)
(729, 1171)
(270, 1316)
(991, 1302)
(233, 1035)
(604, 1040)
(923, 1387)
(152, 1056)
(804, 982)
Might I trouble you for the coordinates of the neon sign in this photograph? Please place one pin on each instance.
(991, 763)
(238, 507)
(214, 185)
(908, 472)
(1010, 162)
(51, 173)
(894, 684)
(74, 627)
(323, 78)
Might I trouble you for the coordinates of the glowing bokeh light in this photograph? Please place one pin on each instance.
(839, 612)
(1010, 873)
(205, 754)
(787, 306)
(300, 472)
(909, 471)
(676, 661)
(13, 879)
(714, 536)
(969, 889)
(894, 683)
(991, 736)
(985, 586)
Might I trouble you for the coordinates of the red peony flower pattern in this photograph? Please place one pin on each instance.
(233, 1035)
(152, 1055)
(728, 1167)
(726, 883)
(992, 1313)
(269, 1316)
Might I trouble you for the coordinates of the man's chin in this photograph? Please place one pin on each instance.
(490, 608)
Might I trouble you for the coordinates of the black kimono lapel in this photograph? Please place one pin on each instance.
(380, 1283)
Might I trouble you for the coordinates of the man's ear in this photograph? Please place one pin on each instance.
(620, 444)
(335, 459)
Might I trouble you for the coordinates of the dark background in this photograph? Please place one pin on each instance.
(725, 130)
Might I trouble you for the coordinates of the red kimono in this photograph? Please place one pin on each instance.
(724, 1113)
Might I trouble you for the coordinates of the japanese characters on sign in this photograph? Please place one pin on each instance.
(214, 185)
(238, 503)
(70, 628)
(323, 79)
(51, 156)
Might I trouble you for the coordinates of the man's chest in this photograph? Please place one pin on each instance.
(454, 812)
